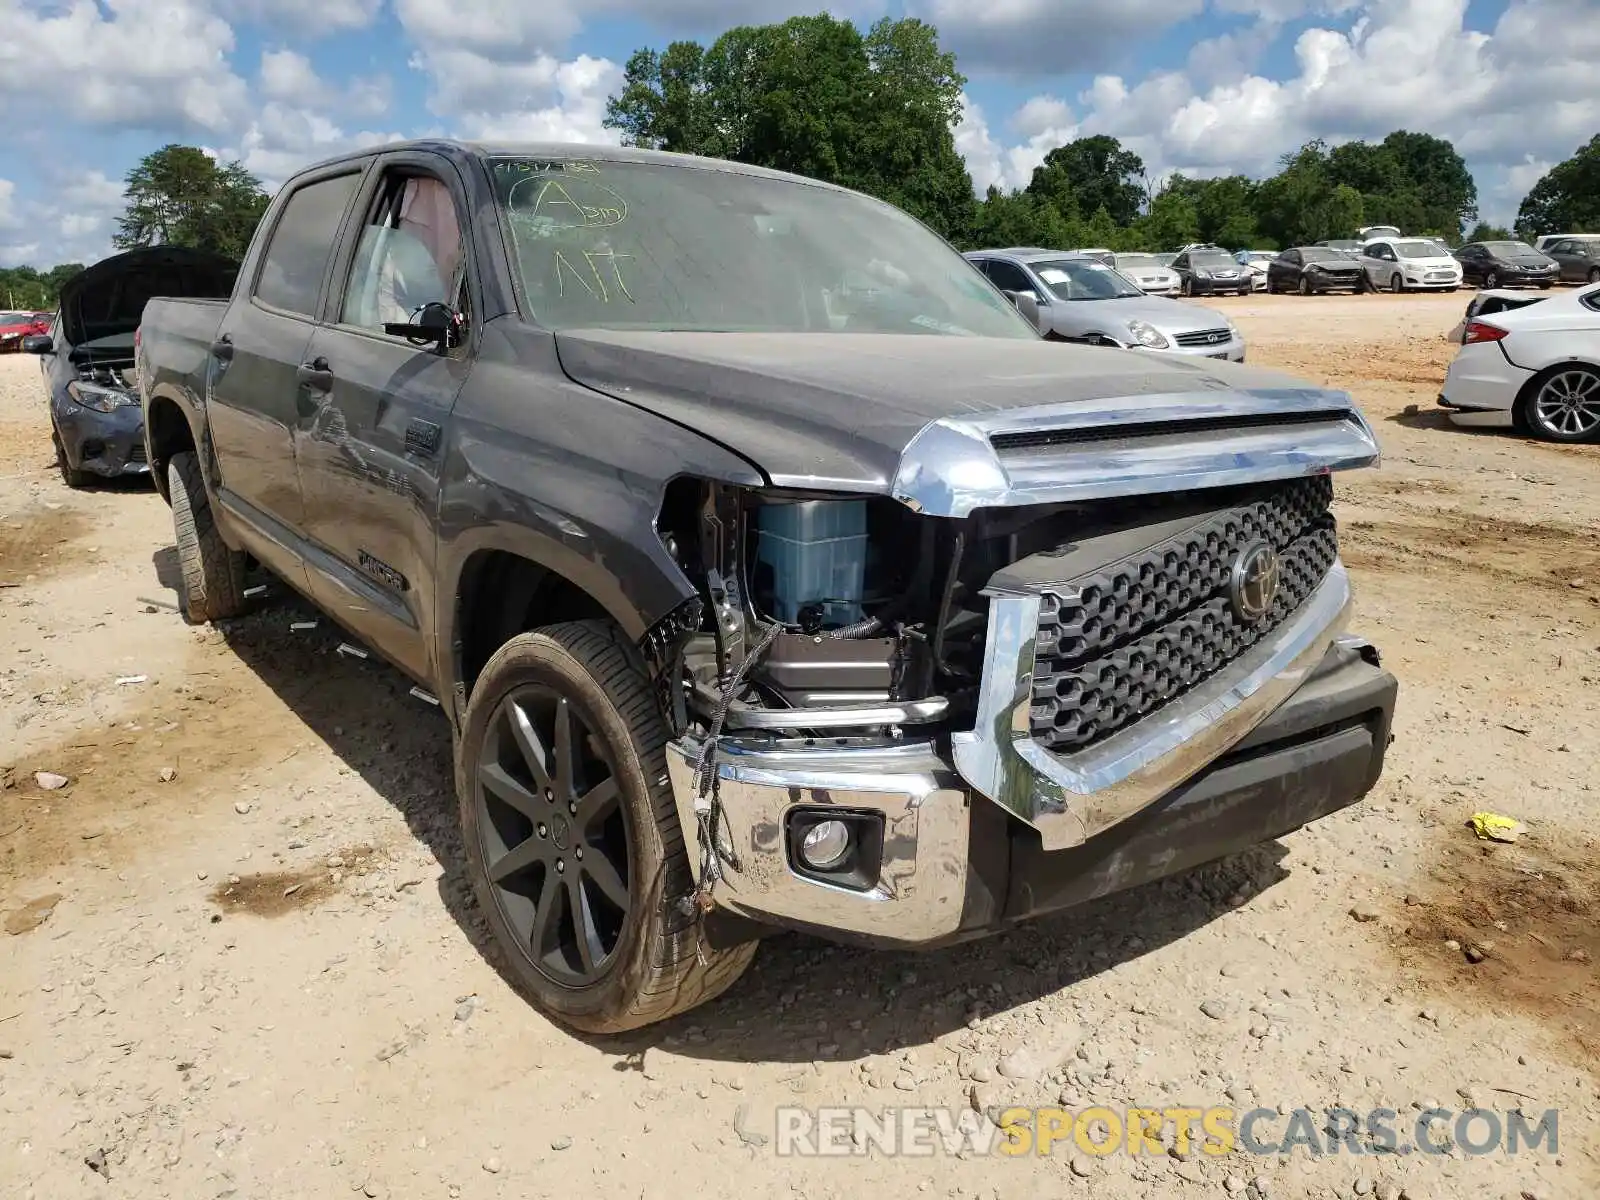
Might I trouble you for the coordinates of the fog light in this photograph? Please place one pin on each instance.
(825, 845)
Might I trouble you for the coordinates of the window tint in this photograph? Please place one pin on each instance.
(410, 254)
(1009, 277)
(291, 269)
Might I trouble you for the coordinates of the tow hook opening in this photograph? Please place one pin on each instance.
(839, 847)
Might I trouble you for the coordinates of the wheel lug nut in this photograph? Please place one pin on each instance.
(572, 807)
(543, 831)
(579, 853)
(549, 795)
(561, 867)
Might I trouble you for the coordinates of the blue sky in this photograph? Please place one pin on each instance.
(1203, 86)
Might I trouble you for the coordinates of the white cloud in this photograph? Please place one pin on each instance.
(579, 89)
(288, 76)
(308, 18)
(1512, 100)
(160, 63)
(1048, 37)
(71, 222)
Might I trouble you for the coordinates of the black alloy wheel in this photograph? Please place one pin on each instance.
(1305, 286)
(554, 834)
(1491, 280)
(1594, 274)
(572, 837)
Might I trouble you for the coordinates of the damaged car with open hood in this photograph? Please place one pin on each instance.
(770, 570)
(86, 355)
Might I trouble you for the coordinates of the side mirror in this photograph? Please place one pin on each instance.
(38, 343)
(1028, 305)
(434, 324)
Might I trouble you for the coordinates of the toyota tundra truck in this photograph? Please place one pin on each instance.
(770, 569)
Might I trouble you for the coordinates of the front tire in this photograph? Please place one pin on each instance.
(1305, 286)
(1397, 285)
(1491, 281)
(1594, 274)
(70, 475)
(213, 574)
(572, 836)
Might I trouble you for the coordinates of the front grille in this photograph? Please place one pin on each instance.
(1203, 337)
(1115, 645)
(136, 454)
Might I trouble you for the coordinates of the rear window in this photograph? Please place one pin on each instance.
(302, 242)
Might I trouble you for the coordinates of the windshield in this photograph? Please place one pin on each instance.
(1077, 279)
(1510, 248)
(618, 245)
(1420, 248)
(1320, 254)
(1211, 258)
(1139, 262)
(14, 318)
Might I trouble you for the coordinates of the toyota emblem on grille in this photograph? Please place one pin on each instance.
(1254, 585)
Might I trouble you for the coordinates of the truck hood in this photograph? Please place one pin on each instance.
(839, 411)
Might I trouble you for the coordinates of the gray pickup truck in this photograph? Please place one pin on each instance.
(771, 571)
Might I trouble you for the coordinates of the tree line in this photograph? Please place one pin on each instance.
(875, 111)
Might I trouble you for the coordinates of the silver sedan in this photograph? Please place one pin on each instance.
(1082, 300)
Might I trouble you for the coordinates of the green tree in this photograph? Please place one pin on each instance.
(1484, 232)
(181, 196)
(1173, 219)
(1090, 174)
(1567, 199)
(1303, 203)
(1438, 177)
(815, 96)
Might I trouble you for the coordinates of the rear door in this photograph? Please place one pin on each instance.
(371, 444)
(257, 393)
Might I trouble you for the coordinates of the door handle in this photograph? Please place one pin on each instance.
(315, 375)
(222, 349)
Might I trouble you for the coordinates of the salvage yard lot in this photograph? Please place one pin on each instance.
(239, 956)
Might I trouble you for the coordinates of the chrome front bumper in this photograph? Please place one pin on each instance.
(925, 807)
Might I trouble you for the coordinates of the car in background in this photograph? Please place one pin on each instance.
(14, 326)
(1166, 258)
(87, 355)
(1154, 277)
(1080, 299)
(1100, 254)
(1349, 247)
(1311, 270)
(1544, 241)
(1506, 264)
(1409, 264)
(1255, 262)
(1535, 369)
(1577, 257)
(1210, 271)
(1368, 233)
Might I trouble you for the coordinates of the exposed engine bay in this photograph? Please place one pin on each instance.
(863, 617)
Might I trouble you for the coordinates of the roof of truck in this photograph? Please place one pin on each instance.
(572, 151)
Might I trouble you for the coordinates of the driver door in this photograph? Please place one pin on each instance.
(371, 448)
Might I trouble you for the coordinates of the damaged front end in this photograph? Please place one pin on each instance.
(98, 419)
(1065, 612)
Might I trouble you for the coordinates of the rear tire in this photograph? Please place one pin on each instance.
(70, 475)
(598, 943)
(213, 574)
(1562, 405)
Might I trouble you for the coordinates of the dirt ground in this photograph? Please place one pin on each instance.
(238, 958)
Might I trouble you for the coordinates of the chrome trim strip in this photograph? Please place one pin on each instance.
(923, 879)
(951, 468)
(1069, 799)
(910, 712)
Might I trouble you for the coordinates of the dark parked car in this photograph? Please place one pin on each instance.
(87, 354)
(1203, 272)
(1505, 264)
(770, 569)
(1313, 269)
(1577, 258)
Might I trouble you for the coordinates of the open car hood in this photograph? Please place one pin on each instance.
(109, 297)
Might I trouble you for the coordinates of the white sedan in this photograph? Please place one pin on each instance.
(1152, 276)
(1255, 261)
(1407, 264)
(1535, 368)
